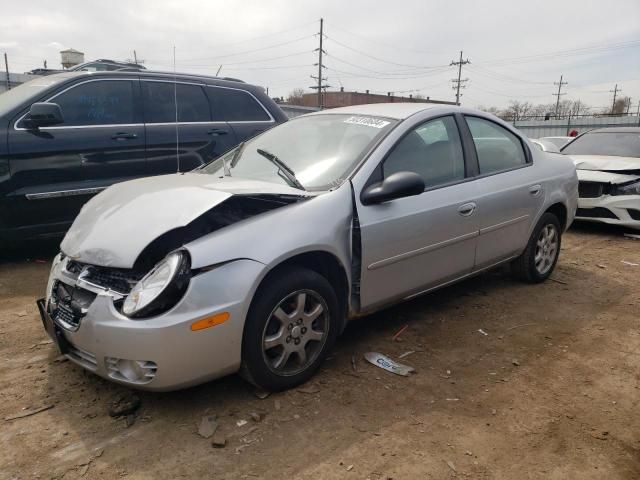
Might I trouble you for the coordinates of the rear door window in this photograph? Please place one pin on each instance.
(160, 102)
(101, 102)
(497, 148)
(232, 105)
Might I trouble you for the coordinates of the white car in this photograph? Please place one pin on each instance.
(557, 141)
(608, 165)
(545, 145)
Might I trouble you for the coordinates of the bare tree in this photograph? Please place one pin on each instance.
(295, 96)
(621, 105)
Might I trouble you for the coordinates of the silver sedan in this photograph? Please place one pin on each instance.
(256, 262)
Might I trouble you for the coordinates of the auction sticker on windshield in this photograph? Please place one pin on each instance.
(367, 121)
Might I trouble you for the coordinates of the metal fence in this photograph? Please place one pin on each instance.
(538, 127)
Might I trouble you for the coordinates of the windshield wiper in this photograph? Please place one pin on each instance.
(286, 171)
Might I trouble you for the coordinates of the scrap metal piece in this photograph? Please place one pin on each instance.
(387, 364)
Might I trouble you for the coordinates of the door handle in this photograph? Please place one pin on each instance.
(535, 190)
(216, 132)
(467, 209)
(124, 136)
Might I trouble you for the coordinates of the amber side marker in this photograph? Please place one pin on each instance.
(211, 321)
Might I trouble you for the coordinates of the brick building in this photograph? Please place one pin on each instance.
(345, 99)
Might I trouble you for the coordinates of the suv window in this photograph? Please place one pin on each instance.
(103, 102)
(160, 100)
(235, 105)
(433, 150)
(497, 148)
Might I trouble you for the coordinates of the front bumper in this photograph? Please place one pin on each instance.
(170, 354)
(611, 209)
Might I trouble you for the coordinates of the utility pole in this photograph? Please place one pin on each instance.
(320, 66)
(6, 68)
(615, 92)
(558, 95)
(457, 83)
(135, 57)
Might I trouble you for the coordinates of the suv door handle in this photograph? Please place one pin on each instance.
(467, 209)
(124, 136)
(216, 132)
(535, 190)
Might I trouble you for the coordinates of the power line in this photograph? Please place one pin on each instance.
(614, 91)
(457, 84)
(376, 77)
(558, 95)
(320, 78)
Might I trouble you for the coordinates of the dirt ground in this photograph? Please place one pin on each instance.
(550, 390)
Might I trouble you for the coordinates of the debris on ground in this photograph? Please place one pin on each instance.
(241, 423)
(207, 426)
(276, 404)
(387, 364)
(631, 264)
(601, 435)
(310, 389)
(353, 363)
(256, 416)
(451, 465)
(219, 440)
(515, 362)
(261, 394)
(21, 314)
(599, 265)
(632, 236)
(406, 354)
(125, 404)
(483, 332)
(84, 467)
(400, 332)
(130, 420)
(28, 412)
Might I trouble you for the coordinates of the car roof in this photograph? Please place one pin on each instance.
(153, 74)
(398, 111)
(616, 130)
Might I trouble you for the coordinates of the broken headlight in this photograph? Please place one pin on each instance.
(161, 288)
(632, 188)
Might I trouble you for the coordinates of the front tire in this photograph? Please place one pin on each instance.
(291, 326)
(539, 259)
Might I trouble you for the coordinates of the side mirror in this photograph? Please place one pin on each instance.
(44, 115)
(396, 185)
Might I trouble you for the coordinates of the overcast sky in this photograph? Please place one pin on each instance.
(517, 49)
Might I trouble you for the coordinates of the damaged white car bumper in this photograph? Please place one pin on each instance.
(609, 197)
(161, 353)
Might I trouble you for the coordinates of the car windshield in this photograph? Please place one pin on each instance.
(18, 95)
(617, 144)
(315, 152)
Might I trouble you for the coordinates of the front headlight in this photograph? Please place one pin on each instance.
(161, 288)
(628, 189)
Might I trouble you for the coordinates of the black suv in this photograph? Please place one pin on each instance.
(66, 137)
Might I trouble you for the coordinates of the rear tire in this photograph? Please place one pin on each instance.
(540, 256)
(291, 326)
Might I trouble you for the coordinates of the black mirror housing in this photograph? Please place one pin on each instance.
(44, 115)
(396, 185)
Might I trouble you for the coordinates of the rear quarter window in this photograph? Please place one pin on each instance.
(232, 105)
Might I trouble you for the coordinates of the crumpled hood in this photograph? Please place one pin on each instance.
(604, 162)
(605, 177)
(116, 225)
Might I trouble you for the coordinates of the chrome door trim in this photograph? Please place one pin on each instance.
(498, 226)
(64, 193)
(420, 251)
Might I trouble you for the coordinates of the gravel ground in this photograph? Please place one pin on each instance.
(551, 391)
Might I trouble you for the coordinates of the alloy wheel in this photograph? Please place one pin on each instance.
(546, 249)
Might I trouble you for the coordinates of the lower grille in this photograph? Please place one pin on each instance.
(598, 212)
(86, 359)
(132, 371)
(592, 189)
(635, 214)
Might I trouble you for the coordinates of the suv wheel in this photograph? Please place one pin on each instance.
(291, 326)
(539, 258)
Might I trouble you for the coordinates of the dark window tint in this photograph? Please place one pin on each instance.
(235, 105)
(160, 102)
(616, 144)
(497, 148)
(103, 102)
(433, 150)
